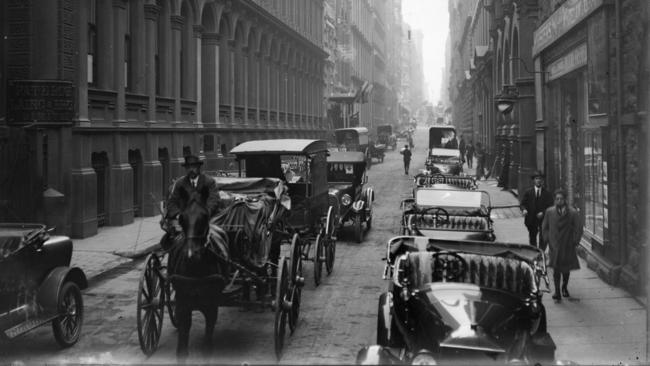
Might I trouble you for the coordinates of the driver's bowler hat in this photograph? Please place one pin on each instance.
(192, 160)
(538, 173)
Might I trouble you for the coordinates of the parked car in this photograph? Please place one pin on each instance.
(346, 176)
(386, 136)
(461, 302)
(37, 284)
(354, 139)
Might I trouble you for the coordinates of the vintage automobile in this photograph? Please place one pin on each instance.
(448, 213)
(437, 180)
(346, 176)
(354, 139)
(386, 136)
(37, 284)
(461, 302)
(444, 155)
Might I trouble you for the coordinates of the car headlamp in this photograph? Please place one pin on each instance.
(424, 358)
(346, 200)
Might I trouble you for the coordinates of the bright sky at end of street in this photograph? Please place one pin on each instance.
(432, 18)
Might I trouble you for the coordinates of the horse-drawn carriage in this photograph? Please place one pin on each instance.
(37, 284)
(461, 302)
(448, 213)
(260, 212)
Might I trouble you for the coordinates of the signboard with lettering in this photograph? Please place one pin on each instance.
(47, 101)
(569, 62)
(561, 21)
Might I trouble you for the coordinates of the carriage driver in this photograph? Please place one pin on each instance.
(182, 189)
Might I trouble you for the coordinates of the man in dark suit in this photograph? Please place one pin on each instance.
(534, 203)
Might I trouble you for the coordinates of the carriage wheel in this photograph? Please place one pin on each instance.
(296, 295)
(170, 294)
(358, 234)
(295, 259)
(329, 223)
(319, 258)
(151, 305)
(281, 311)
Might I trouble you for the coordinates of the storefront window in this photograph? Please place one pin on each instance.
(595, 184)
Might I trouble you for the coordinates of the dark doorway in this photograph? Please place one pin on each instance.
(135, 160)
(163, 157)
(100, 164)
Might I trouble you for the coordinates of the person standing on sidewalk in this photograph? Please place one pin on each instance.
(534, 203)
(470, 154)
(480, 161)
(406, 152)
(462, 147)
(562, 230)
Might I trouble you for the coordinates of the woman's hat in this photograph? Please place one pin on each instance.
(538, 173)
(191, 160)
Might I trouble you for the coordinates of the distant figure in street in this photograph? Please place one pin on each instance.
(480, 161)
(410, 140)
(463, 149)
(534, 203)
(470, 154)
(562, 229)
(407, 158)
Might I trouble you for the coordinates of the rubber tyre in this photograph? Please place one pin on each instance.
(369, 222)
(67, 327)
(330, 255)
(150, 306)
(319, 258)
(281, 315)
(358, 233)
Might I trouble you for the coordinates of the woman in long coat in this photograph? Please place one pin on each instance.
(562, 229)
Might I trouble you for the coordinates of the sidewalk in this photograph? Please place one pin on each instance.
(115, 245)
(598, 324)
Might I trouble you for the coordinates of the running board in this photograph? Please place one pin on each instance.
(28, 325)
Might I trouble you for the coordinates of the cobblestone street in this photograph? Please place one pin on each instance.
(600, 324)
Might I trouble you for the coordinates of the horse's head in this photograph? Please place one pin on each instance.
(195, 221)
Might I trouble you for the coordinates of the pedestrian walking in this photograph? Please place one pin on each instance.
(406, 152)
(480, 161)
(462, 146)
(470, 154)
(534, 203)
(562, 229)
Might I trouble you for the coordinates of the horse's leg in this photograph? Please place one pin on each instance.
(184, 319)
(210, 312)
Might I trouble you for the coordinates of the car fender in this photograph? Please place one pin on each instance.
(48, 292)
(386, 300)
(358, 206)
(369, 196)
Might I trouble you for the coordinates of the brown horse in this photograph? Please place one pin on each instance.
(196, 274)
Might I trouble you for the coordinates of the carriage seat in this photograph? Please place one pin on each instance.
(456, 222)
(507, 274)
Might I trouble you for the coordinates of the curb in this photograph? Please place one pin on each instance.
(137, 254)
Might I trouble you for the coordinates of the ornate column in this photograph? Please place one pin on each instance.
(232, 81)
(151, 12)
(119, 7)
(209, 81)
(105, 43)
(81, 84)
(177, 25)
(198, 75)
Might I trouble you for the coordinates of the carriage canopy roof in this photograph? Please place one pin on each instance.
(359, 130)
(280, 146)
(346, 157)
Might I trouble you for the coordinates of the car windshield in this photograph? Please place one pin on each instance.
(440, 137)
(340, 172)
(452, 198)
(294, 168)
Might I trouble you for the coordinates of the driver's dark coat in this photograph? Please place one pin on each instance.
(535, 205)
(182, 190)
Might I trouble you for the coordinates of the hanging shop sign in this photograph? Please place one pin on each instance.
(561, 21)
(569, 62)
(42, 101)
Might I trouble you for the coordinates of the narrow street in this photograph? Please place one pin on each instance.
(338, 317)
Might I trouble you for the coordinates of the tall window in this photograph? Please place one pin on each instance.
(92, 42)
(595, 184)
(127, 50)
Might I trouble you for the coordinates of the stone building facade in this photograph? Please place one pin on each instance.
(592, 103)
(133, 86)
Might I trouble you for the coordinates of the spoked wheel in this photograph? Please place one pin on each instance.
(330, 243)
(356, 223)
(151, 305)
(282, 306)
(170, 294)
(67, 327)
(319, 258)
(296, 295)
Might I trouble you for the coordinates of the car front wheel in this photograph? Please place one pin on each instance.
(67, 327)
